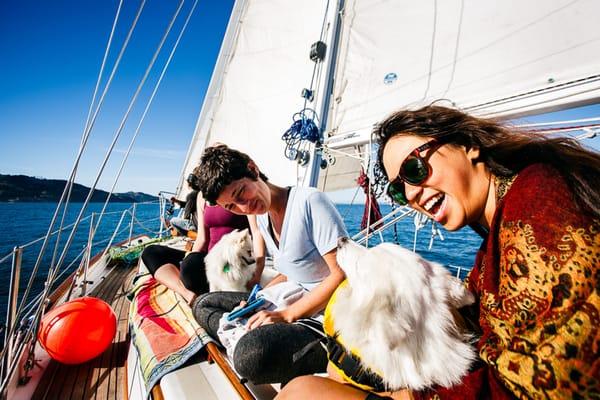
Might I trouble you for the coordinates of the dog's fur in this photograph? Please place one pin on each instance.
(397, 310)
(235, 249)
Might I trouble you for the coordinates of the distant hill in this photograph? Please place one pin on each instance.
(24, 188)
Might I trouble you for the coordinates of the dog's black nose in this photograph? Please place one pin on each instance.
(342, 241)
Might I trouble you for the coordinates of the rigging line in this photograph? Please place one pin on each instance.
(435, 11)
(215, 92)
(369, 203)
(6, 257)
(53, 233)
(357, 155)
(573, 121)
(87, 121)
(317, 64)
(351, 203)
(121, 126)
(101, 72)
(588, 135)
(539, 103)
(144, 227)
(146, 109)
(460, 22)
(114, 235)
(85, 135)
(564, 128)
(27, 309)
(574, 83)
(63, 255)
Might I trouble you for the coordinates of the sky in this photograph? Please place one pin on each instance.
(51, 53)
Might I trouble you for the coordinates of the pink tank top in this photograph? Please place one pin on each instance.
(220, 222)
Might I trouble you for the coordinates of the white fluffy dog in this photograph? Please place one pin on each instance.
(397, 310)
(230, 264)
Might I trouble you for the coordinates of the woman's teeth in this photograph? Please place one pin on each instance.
(433, 201)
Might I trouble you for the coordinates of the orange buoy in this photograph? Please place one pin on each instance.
(78, 330)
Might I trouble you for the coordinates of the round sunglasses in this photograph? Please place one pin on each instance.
(414, 170)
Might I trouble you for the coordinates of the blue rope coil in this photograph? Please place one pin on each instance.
(303, 129)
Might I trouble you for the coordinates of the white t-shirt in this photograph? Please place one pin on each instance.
(311, 228)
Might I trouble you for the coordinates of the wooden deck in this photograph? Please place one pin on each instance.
(103, 377)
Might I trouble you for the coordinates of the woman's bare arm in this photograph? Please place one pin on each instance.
(203, 238)
(311, 303)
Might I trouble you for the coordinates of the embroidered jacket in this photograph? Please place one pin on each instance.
(537, 283)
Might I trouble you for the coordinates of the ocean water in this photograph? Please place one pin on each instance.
(23, 223)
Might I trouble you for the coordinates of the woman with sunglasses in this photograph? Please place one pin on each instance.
(536, 202)
(300, 227)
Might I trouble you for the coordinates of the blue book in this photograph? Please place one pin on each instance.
(247, 309)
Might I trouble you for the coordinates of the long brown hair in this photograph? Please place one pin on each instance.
(504, 151)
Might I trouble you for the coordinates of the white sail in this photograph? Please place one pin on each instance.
(502, 59)
(256, 86)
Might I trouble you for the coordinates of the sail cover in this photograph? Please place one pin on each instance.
(492, 58)
(256, 86)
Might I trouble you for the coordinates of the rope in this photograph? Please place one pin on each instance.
(304, 129)
(54, 269)
(86, 135)
(372, 211)
(147, 108)
(573, 121)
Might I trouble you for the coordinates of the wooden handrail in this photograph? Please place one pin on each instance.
(215, 355)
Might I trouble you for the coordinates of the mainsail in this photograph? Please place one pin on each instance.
(501, 59)
(255, 88)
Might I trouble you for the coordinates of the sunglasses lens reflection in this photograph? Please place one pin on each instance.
(415, 170)
(396, 192)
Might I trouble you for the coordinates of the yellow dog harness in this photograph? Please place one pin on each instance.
(347, 362)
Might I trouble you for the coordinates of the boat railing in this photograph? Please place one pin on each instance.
(22, 314)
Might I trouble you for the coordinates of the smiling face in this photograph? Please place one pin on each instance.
(457, 190)
(246, 196)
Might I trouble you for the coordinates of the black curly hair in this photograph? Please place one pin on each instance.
(505, 151)
(219, 166)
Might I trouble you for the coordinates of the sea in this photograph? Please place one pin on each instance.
(25, 225)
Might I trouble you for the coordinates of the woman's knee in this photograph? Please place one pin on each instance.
(251, 356)
(297, 388)
(192, 273)
(150, 257)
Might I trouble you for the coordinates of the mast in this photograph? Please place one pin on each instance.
(326, 88)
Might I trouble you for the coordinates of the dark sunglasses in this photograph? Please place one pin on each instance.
(414, 170)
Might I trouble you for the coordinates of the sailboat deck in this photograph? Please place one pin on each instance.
(102, 377)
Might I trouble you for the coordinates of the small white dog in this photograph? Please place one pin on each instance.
(397, 311)
(230, 264)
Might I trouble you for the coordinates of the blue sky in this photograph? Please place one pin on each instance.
(50, 57)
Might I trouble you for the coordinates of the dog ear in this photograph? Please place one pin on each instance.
(458, 295)
(392, 329)
(242, 235)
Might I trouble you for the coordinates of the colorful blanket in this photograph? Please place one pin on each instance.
(163, 329)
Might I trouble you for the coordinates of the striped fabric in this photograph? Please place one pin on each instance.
(163, 329)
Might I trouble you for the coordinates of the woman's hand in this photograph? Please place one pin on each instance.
(255, 280)
(267, 317)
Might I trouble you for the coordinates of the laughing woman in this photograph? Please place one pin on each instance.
(300, 227)
(536, 202)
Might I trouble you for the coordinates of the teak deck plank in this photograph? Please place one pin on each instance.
(102, 377)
